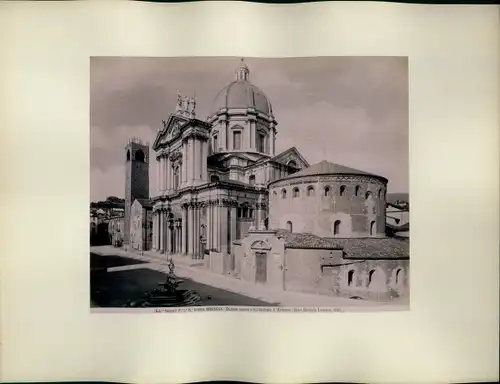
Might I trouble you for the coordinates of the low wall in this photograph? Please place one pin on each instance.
(325, 272)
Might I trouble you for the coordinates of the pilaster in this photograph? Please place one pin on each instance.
(184, 230)
(223, 235)
(216, 225)
(190, 228)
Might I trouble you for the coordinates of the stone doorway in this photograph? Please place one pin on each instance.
(260, 267)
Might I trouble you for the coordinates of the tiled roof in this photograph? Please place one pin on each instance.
(326, 168)
(360, 248)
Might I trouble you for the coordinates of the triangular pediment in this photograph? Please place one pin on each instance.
(171, 129)
(291, 154)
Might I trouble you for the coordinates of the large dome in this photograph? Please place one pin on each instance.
(242, 94)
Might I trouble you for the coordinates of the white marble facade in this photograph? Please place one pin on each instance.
(213, 174)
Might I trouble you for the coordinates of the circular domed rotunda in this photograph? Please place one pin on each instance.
(329, 200)
(242, 118)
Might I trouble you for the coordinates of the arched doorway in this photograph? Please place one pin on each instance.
(372, 228)
(289, 226)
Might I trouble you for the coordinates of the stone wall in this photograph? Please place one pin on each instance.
(309, 271)
(314, 204)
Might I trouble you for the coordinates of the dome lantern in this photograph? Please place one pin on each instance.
(242, 72)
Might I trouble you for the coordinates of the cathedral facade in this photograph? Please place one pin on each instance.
(214, 173)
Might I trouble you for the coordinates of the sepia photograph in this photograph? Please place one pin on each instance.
(238, 183)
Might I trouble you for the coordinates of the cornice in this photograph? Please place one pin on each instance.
(327, 178)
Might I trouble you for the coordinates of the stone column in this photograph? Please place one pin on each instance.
(179, 239)
(196, 231)
(224, 228)
(155, 229)
(216, 225)
(190, 229)
(168, 166)
(273, 143)
(209, 225)
(184, 229)
(163, 174)
(251, 145)
(160, 232)
(168, 247)
(223, 135)
(158, 175)
(184, 163)
(234, 215)
(204, 166)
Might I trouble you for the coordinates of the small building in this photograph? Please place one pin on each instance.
(366, 268)
(116, 228)
(141, 224)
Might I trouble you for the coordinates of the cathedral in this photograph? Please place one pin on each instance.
(225, 196)
(213, 174)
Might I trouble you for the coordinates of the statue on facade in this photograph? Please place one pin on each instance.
(191, 106)
(179, 108)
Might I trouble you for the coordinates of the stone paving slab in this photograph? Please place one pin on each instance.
(260, 292)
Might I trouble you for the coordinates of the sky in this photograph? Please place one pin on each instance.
(348, 110)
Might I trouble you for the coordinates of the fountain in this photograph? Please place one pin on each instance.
(168, 295)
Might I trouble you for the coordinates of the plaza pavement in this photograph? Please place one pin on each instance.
(188, 268)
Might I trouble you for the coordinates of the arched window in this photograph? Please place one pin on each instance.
(328, 191)
(251, 180)
(379, 193)
(139, 155)
(275, 194)
(214, 179)
(368, 195)
(310, 191)
(342, 190)
(370, 276)
(289, 226)
(398, 277)
(356, 190)
(350, 277)
(295, 192)
(283, 193)
(336, 227)
(176, 177)
(128, 155)
(372, 228)
(292, 163)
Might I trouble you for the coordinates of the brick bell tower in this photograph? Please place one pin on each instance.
(136, 178)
